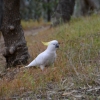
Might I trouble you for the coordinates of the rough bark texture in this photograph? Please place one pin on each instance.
(86, 7)
(64, 11)
(16, 51)
(1, 12)
(93, 4)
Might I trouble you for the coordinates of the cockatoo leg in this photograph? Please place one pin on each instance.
(42, 67)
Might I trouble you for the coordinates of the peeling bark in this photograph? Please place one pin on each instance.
(16, 51)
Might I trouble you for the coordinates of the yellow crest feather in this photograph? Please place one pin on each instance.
(46, 43)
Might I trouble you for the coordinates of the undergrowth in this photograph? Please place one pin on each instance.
(31, 24)
(76, 61)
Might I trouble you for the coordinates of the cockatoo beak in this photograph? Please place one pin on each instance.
(46, 43)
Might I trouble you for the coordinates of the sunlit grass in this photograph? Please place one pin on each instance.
(79, 46)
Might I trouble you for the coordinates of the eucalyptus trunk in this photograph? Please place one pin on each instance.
(64, 11)
(16, 51)
(48, 12)
(1, 12)
(86, 7)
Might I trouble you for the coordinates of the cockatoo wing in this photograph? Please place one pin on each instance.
(43, 59)
(37, 61)
(48, 58)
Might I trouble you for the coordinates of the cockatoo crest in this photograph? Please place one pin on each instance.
(46, 43)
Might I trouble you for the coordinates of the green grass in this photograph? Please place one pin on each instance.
(79, 47)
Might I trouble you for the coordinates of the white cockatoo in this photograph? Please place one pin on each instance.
(47, 57)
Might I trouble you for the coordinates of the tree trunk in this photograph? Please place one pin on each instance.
(48, 12)
(64, 11)
(1, 12)
(93, 4)
(65, 8)
(48, 15)
(86, 7)
(16, 51)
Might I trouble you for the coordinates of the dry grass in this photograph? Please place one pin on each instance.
(30, 24)
(79, 46)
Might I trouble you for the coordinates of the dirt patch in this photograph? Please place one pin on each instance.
(36, 30)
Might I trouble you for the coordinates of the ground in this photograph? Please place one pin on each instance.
(75, 74)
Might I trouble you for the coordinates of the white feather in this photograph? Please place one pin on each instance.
(47, 57)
